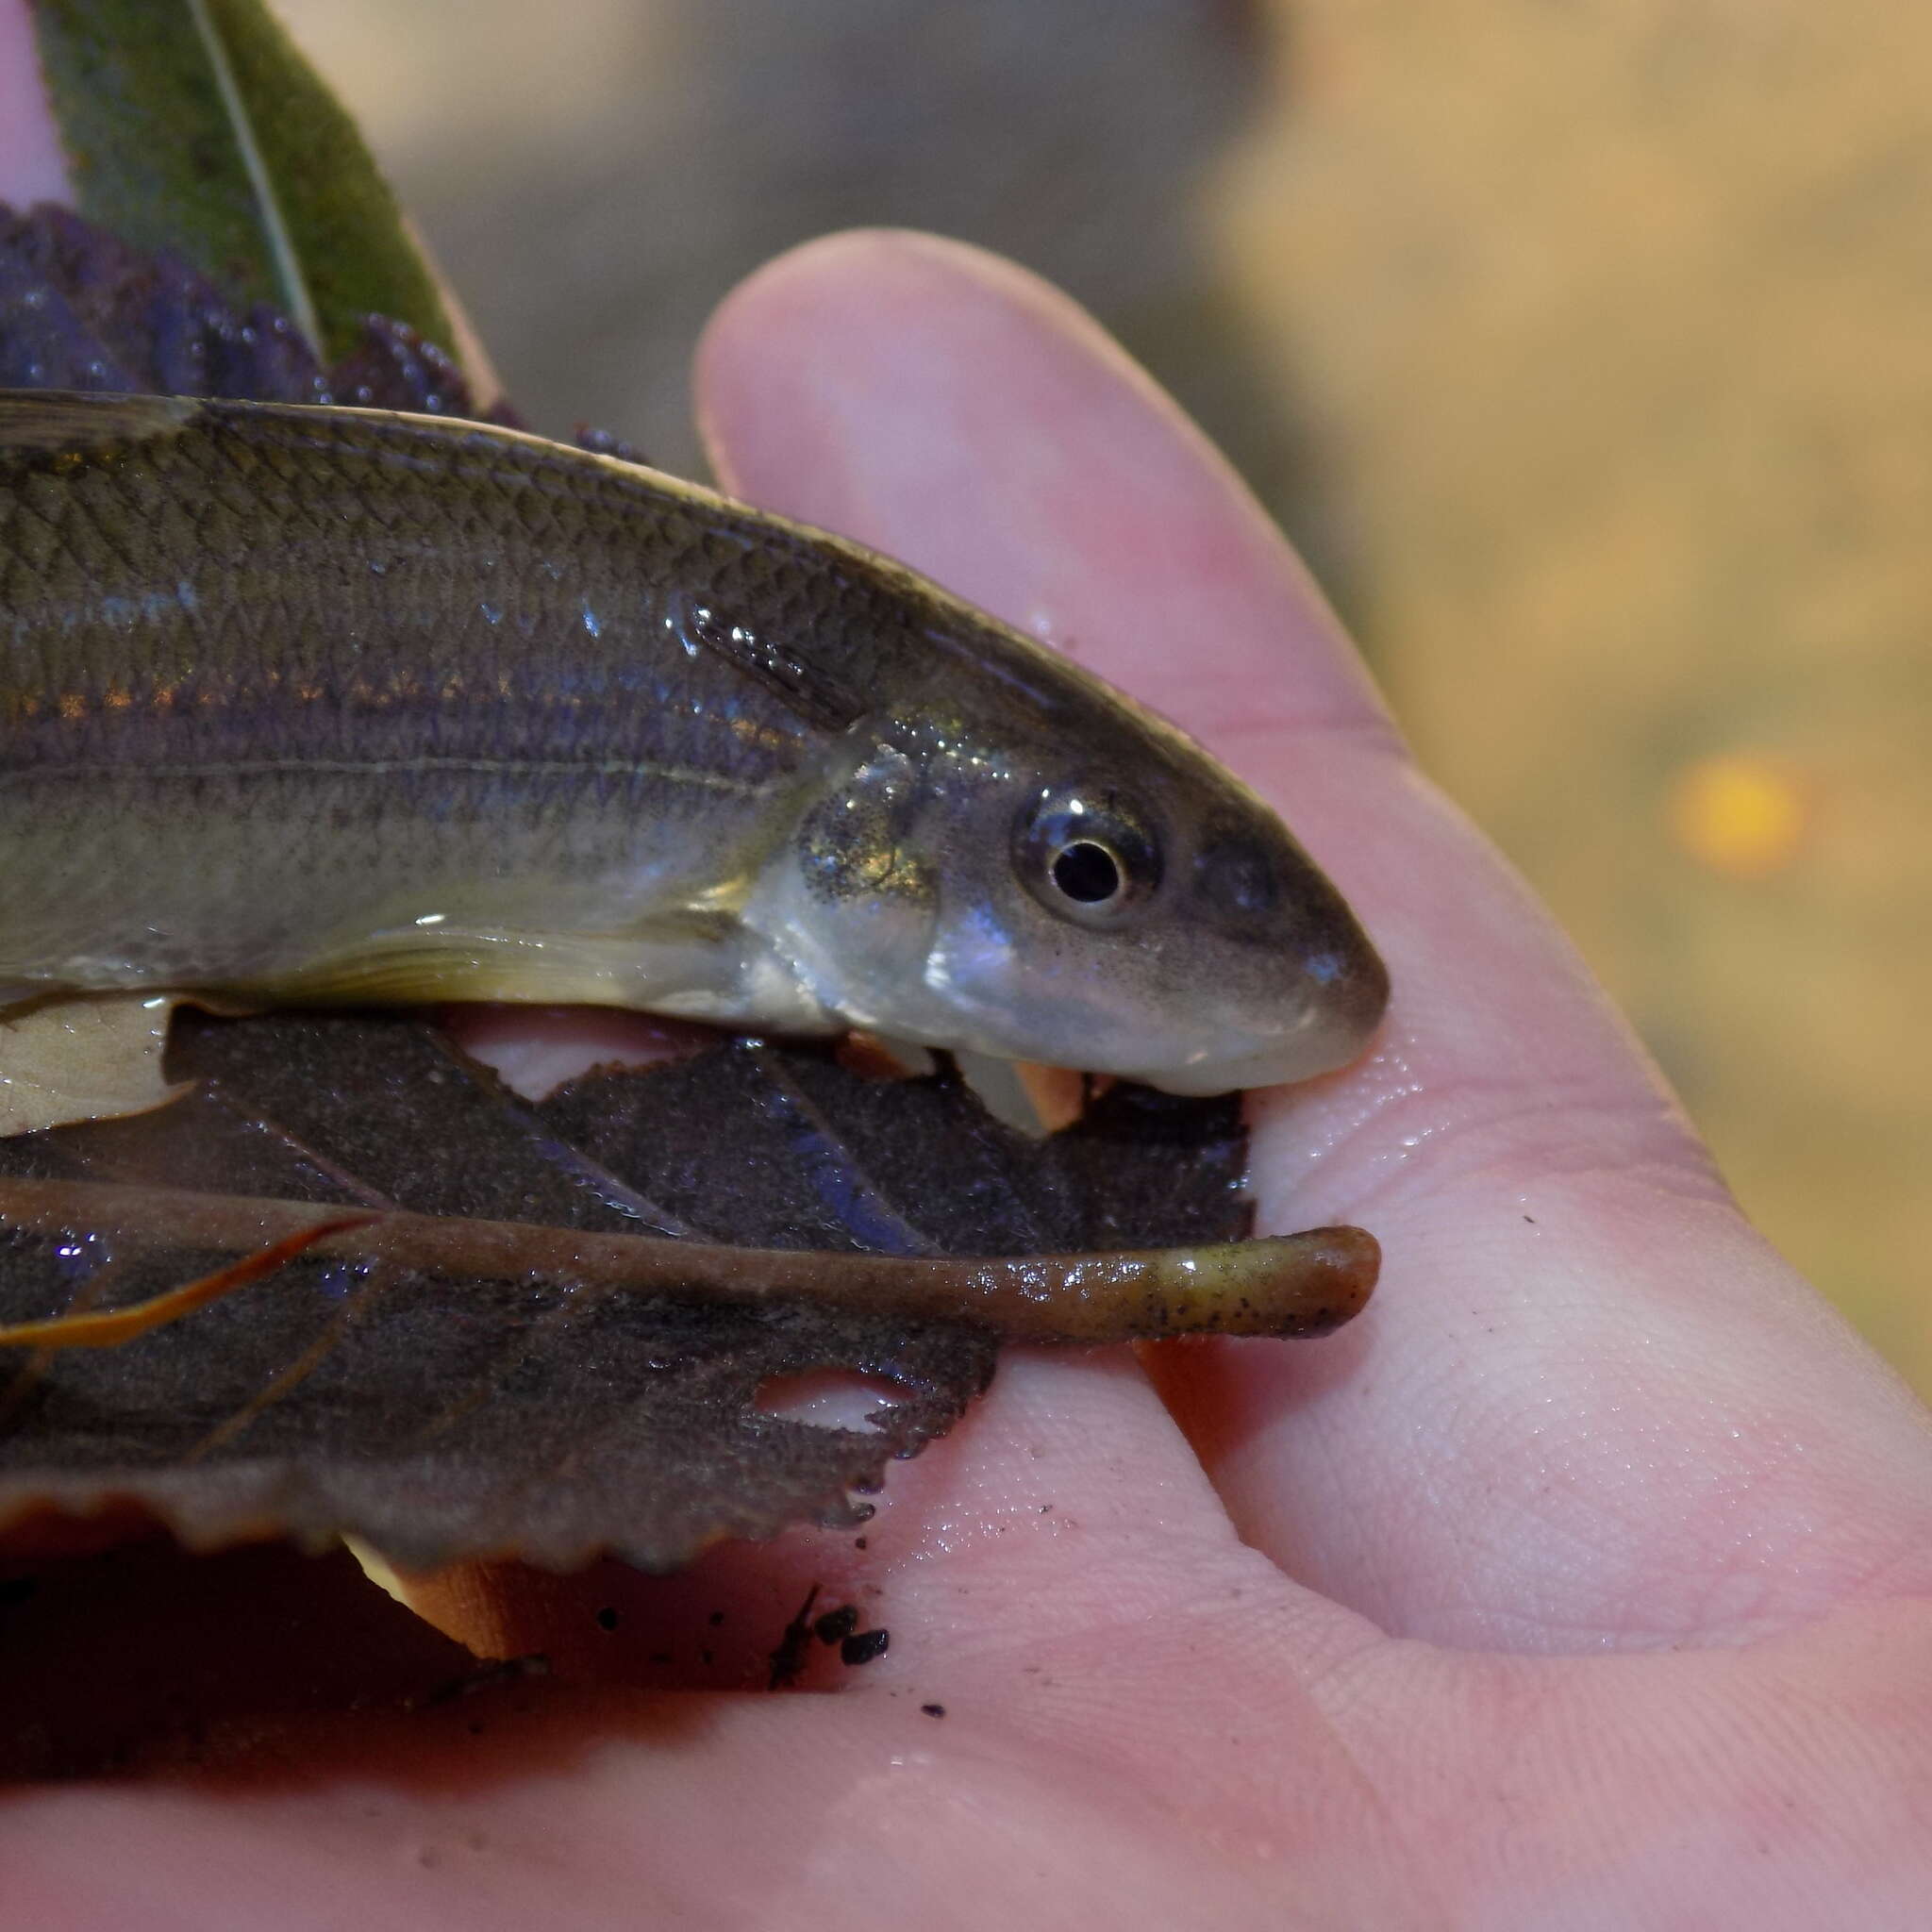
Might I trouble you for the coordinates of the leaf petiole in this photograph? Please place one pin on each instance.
(1277, 1285)
(111, 1328)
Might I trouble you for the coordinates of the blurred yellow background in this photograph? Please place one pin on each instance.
(1585, 349)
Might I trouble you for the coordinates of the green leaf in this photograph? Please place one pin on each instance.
(195, 127)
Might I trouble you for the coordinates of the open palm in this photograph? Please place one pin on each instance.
(1586, 1582)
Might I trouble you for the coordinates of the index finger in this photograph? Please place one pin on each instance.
(31, 165)
(1589, 1406)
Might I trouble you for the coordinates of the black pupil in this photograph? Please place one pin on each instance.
(1087, 872)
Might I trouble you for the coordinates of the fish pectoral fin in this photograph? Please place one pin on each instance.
(448, 963)
(89, 1058)
(696, 963)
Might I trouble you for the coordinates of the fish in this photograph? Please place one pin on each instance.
(321, 704)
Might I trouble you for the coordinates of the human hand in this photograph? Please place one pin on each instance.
(1657, 1519)
(1584, 1581)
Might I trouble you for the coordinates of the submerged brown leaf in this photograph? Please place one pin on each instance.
(516, 1333)
(445, 1398)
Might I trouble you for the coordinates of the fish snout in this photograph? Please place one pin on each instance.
(1292, 983)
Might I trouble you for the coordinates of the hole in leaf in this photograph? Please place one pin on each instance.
(827, 1398)
(534, 1049)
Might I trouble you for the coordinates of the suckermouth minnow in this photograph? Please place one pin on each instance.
(305, 704)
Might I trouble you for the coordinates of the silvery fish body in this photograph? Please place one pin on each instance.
(325, 704)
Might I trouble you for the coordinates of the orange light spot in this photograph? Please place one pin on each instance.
(1739, 815)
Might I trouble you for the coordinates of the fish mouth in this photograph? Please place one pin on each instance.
(1232, 1077)
(1323, 1047)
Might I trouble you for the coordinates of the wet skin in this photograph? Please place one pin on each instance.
(1585, 1583)
(329, 704)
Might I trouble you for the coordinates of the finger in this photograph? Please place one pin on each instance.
(32, 167)
(1589, 1406)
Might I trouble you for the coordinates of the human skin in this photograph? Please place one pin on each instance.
(1585, 1582)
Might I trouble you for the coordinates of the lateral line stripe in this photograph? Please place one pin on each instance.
(251, 768)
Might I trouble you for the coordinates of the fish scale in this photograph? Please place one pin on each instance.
(340, 704)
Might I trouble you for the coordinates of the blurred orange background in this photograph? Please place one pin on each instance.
(1585, 350)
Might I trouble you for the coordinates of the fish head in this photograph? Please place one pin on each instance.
(1075, 882)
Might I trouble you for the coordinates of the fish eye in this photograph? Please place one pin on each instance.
(1087, 872)
(1087, 854)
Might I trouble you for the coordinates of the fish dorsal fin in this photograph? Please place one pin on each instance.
(61, 422)
(815, 694)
